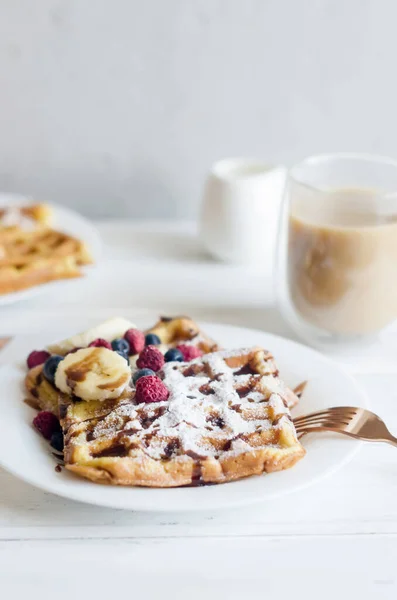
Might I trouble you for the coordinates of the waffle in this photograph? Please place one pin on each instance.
(174, 331)
(40, 213)
(171, 331)
(226, 418)
(31, 253)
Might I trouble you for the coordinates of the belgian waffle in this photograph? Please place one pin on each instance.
(227, 417)
(33, 254)
(171, 331)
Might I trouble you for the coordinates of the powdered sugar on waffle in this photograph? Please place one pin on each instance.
(210, 404)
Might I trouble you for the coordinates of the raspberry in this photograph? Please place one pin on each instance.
(46, 423)
(151, 389)
(136, 340)
(189, 352)
(100, 343)
(150, 358)
(37, 357)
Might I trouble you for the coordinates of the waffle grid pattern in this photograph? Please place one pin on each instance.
(222, 407)
(35, 254)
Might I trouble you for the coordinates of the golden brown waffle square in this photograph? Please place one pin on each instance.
(226, 417)
(171, 331)
(36, 254)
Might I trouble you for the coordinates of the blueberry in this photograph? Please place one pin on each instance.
(124, 355)
(57, 441)
(151, 339)
(142, 373)
(121, 345)
(50, 367)
(173, 354)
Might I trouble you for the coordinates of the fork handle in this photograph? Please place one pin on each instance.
(391, 440)
(313, 429)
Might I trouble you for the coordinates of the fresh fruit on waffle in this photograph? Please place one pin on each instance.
(31, 253)
(107, 331)
(170, 422)
(168, 334)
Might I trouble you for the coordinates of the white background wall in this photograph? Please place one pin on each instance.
(118, 107)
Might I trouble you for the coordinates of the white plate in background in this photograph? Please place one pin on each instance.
(67, 221)
(26, 455)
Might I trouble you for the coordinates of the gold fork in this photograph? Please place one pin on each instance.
(356, 422)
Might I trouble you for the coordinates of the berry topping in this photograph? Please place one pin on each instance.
(100, 343)
(151, 339)
(150, 358)
(37, 357)
(50, 367)
(142, 373)
(189, 352)
(124, 355)
(57, 441)
(151, 389)
(121, 345)
(136, 340)
(173, 354)
(47, 424)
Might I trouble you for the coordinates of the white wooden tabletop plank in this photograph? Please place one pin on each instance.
(360, 498)
(349, 567)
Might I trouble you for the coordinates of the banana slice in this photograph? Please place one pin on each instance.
(93, 374)
(109, 330)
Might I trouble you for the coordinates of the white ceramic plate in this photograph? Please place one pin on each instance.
(65, 220)
(27, 456)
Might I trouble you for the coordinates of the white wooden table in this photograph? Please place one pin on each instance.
(335, 539)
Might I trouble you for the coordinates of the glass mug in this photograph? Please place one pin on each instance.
(336, 265)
